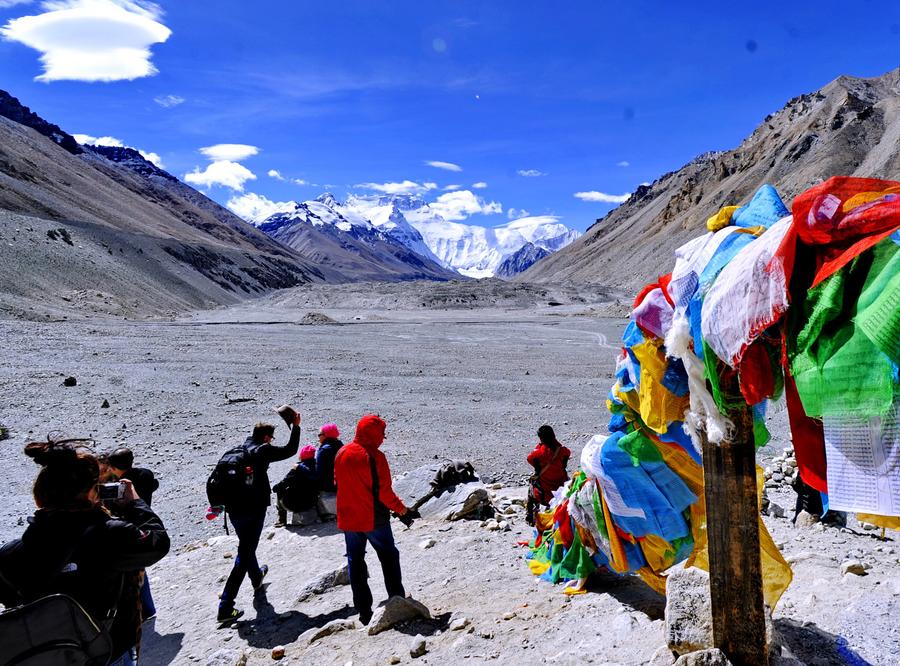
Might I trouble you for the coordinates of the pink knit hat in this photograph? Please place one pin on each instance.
(307, 452)
(330, 430)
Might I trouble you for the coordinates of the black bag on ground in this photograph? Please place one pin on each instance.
(51, 631)
(231, 481)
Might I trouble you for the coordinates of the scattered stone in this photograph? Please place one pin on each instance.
(418, 647)
(278, 652)
(869, 527)
(70, 381)
(105, 404)
(324, 582)
(4, 432)
(492, 525)
(503, 526)
(711, 657)
(662, 657)
(227, 658)
(228, 555)
(310, 636)
(688, 613)
(806, 520)
(495, 486)
(427, 543)
(853, 567)
(394, 659)
(776, 510)
(509, 616)
(394, 611)
(459, 624)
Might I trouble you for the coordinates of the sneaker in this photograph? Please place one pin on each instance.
(228, 616)
(263, 570)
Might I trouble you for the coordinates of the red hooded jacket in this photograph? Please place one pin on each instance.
(363, 479)
(551, 468)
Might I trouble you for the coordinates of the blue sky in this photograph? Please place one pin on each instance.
(583, 96)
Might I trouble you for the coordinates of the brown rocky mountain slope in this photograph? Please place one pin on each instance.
(849, 127)
(97, 232)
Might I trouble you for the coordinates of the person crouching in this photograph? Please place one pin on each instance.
(298, 492)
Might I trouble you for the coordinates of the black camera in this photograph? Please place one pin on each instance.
(110, 492)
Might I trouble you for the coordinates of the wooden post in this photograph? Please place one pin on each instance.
(735, 574)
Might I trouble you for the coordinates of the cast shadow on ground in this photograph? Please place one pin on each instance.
(629, 591)
(816, 647)
(425, 627)
(270, 628)
(316, 529)
(158, 648)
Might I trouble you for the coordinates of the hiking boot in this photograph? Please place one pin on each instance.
(365, 617)
(228, 616)
(263, 570)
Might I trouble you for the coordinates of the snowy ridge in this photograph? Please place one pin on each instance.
(471, 250)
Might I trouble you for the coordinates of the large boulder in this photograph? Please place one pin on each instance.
(324, 582)
(688, 611)
(395, 611)
(450, 503)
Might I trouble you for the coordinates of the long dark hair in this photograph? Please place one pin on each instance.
(69, 470)
(547, 436)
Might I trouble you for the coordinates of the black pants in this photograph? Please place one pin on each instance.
(248, 527)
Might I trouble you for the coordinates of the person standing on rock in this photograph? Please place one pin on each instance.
(247, 509)
(364, 499)
(329, 445)
(549, 459)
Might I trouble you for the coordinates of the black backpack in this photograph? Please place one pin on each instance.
(231, 481)
(51, 631)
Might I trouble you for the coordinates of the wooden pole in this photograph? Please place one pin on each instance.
(735, 574)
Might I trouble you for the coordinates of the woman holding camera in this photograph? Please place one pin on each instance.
(73, 545)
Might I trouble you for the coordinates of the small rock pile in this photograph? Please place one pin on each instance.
(783, 470)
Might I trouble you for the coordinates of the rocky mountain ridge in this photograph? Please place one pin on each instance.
(140, 242)
(849, 127)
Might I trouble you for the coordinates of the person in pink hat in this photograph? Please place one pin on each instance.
(329, 445)
(298, 492)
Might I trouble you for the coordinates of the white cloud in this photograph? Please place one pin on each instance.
(255, 208)
(5, 4)
(299, 181)
(168, 101)
(602, 197)
(447, 166)
(88, 140)
(530, 173)
(274, 173)
(451, 188)
(223, 172)
(479, 186)
(517, 213)
(623, 163)
(229, 152)
(463, 203)
(405, 187)
(92, 40)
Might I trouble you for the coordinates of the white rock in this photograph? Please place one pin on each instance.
(427, 543)
(417, 647)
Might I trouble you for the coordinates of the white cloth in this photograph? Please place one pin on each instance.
(747, 297)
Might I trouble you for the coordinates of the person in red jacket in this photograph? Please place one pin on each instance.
(549, 460)
(365, 499)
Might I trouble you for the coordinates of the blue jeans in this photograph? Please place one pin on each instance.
(382, 540)
(248, 527)
(148, 608)
(125, 659)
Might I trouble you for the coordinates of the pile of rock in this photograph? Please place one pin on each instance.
(783, 470)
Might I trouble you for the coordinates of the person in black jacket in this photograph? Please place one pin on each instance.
(73, 545)
(248, 517)
(329, 445)
(121, 464)
(299, 490)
